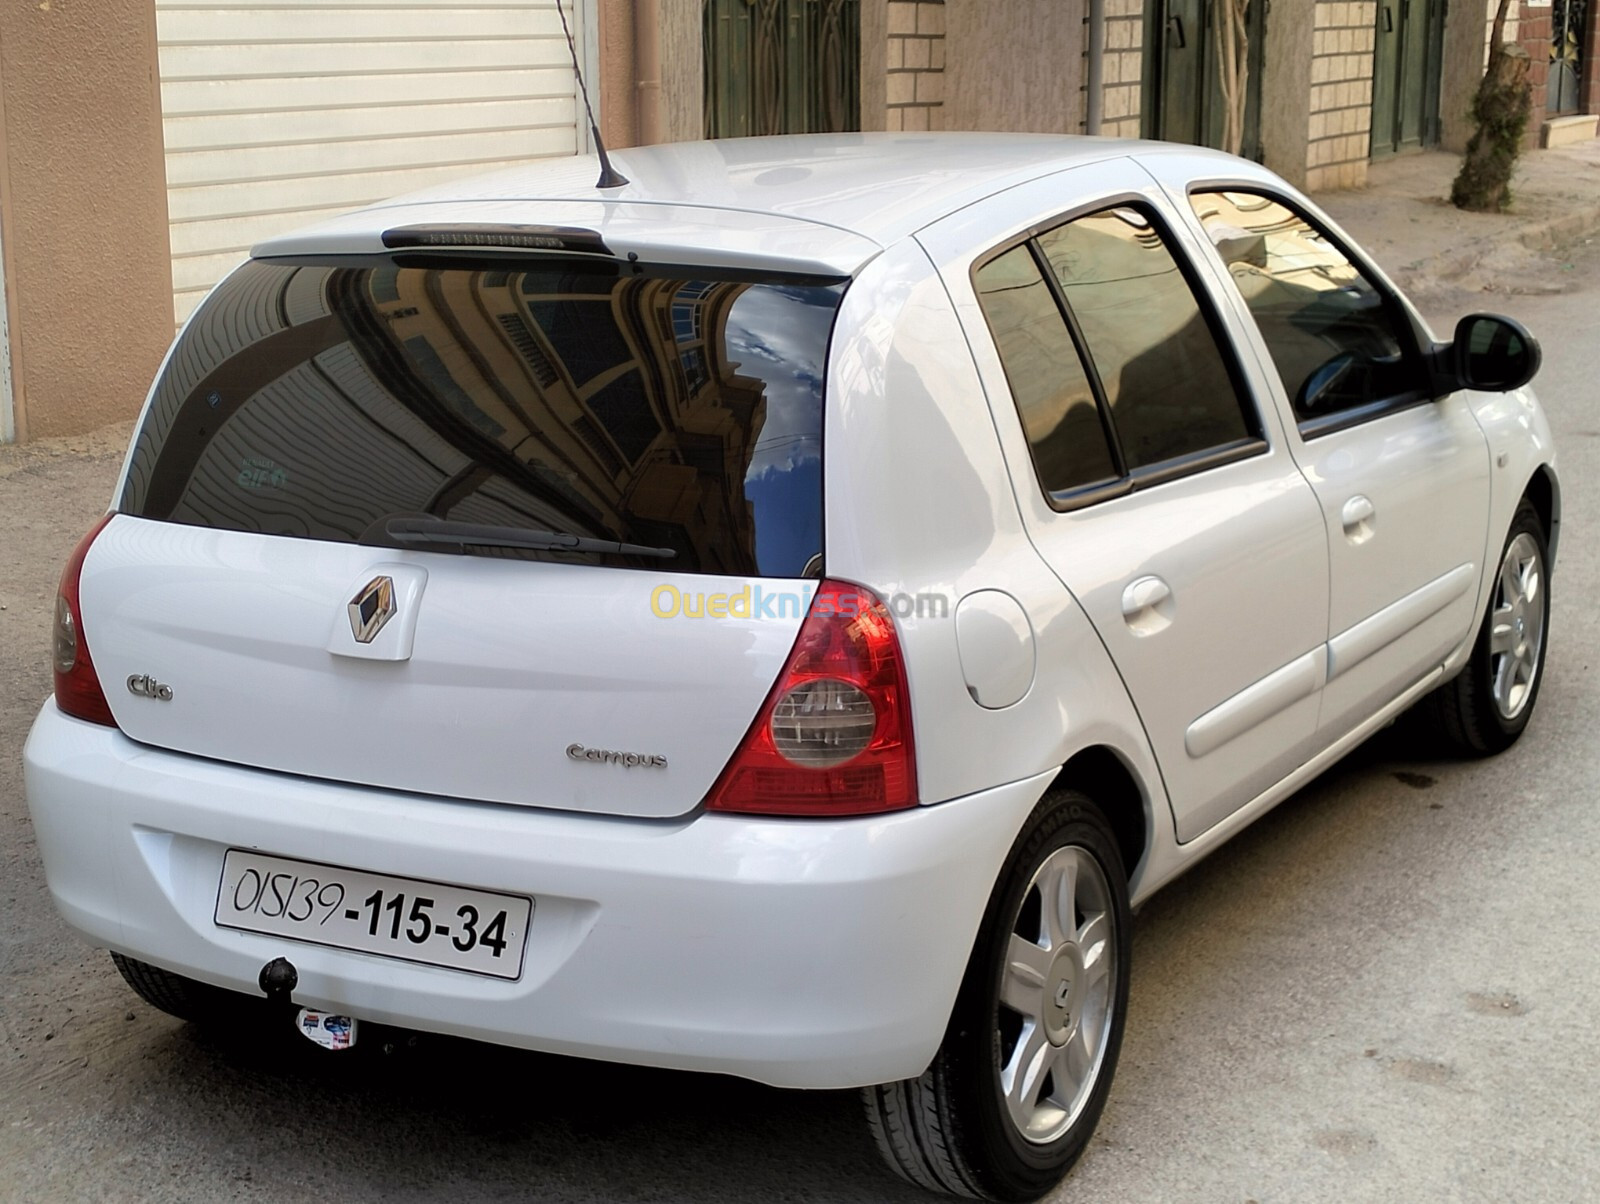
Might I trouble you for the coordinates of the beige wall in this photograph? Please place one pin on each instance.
(615, 90)
(681, 101)
(682, 75)
(1014, 65)
(1285, 98)
(85, 210)
(1466, 52)
(1339, 134)
(925, 64)
(874, 64)
(1121, 86)
(915, 59)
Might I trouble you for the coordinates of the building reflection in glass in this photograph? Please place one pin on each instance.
(672, 411)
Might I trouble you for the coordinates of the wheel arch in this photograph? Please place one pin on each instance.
(1101, 773)
(1544, 491)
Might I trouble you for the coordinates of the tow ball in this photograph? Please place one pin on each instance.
(278, 979)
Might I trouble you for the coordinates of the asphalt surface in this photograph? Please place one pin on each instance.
(1383, 991)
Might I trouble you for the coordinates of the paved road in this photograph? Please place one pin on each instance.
(1383, 991)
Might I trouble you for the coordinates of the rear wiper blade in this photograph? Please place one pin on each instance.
(439, 530)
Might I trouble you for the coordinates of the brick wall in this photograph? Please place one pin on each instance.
(1124, 67)
(1339, 138)
(1533, 29)
(916, 65)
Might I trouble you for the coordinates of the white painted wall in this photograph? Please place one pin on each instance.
(281, 112)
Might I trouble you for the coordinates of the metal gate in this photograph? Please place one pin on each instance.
(1408, 56)
(782, 67)
(1182, 90)
(1566, 55)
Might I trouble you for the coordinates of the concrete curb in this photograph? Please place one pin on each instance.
(1457, 265)
(1541, 236)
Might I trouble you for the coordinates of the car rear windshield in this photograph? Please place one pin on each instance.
(673, 410)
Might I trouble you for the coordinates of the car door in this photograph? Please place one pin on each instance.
(1149, 479)
(1402, 479)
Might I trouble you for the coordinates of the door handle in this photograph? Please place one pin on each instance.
(1143, 594)
(1357, 517)
(1147, 605)
(1175, 37)
(1388, 19)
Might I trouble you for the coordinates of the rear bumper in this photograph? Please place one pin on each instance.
(798, 953)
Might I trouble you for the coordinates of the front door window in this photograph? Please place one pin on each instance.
(1337, 341)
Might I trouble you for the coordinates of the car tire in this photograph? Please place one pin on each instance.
(185, 998)
(1019, 1082)
(1484, 708)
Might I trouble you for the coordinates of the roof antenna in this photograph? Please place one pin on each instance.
(610, 177)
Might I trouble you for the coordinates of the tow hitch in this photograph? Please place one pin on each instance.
(278, 980)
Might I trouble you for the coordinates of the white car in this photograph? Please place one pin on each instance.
(775, 616)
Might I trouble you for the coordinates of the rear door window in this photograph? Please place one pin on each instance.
(1119, 371)
(1047, 376)
(666, 411)
(1164, 376)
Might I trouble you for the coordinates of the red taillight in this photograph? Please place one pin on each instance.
(834, 736)
(78, 691)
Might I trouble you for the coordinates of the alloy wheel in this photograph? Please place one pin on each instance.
(1516, 632)
(1054, 1014)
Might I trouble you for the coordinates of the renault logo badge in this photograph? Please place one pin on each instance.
(371, 608)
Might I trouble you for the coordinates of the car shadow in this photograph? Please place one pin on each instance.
(405, 1116)
(1288, 911)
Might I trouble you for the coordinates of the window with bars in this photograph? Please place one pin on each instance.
(782, 67)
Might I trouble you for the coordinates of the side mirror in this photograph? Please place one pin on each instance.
(1494, 354)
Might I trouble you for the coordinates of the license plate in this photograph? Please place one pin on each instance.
(479, 931)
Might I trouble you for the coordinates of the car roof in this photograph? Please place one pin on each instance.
(814, 203)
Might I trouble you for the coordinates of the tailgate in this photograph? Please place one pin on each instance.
(419, 521)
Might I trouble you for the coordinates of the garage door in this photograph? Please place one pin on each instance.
(281, 112)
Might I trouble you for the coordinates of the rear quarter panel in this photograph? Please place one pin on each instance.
(920, 509)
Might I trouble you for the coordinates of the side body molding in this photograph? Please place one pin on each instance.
(1282, 688)
(1349, 648)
